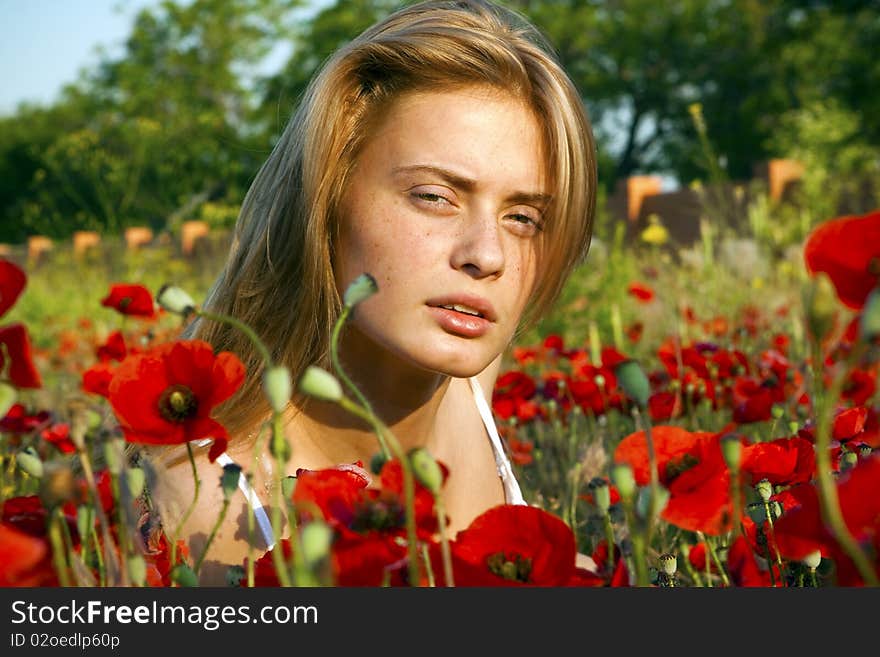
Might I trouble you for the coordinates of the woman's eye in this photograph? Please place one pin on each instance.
(431, 198)
(526, 223)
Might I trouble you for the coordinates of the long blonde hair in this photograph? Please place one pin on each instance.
(279, 277)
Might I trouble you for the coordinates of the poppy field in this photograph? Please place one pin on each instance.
(684, 425)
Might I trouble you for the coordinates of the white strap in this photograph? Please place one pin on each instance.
(512, 491)
(251, 496)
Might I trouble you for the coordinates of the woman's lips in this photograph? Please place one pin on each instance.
(453, 321)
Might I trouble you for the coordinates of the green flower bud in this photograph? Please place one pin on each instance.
(848, 460)
(29, 461)
(764, 489)
(599, 380)
(362, 288)
(632, 379)
(137, 569)
(426, 470)
(668, 564)
(643, 501)
(869, 325)
(288, 486)
(114, 455)
(777, 411)
(279, 448)
(319, 383)
(93, 420)
(175, 300)
(277, 387)
(377, 462)
(731, 449)
(812, 560)
(601, 494)
(184, 576)
(85, 520)
(136, 480)
(229, 479)
(316, 537)
(8, 395)
(793, 426)
(622, 476)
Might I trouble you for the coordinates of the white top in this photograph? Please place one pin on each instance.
(512, 492)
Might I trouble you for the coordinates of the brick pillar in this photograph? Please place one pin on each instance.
(637, 188)
(38, 246)
(137, 236)
(190, 233)
(781, 172)
(83, 240)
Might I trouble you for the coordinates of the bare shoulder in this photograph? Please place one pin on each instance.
(195, 509)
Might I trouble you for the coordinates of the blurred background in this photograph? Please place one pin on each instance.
(727, 129)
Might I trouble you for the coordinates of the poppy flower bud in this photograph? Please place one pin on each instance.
(643, 501)
(136, 480)
(764, 489)
(869, 325)
(137, 569)
(731, 449)
(377, 462)
(599, 380)
(316, 538)
(319, 383)
(8, 395)
(114, 455)
(85, 520)
(820, 302)
(622, 476)
(30, 462)
(777, 411)
(601, 494)
(229, 479)
(183, 575)
(668, 564)
(277, 387)
(175, 300)
(812, 560)
(632, 379)
(848, 460)
(362, 288)
(426, 469)
(288, 486)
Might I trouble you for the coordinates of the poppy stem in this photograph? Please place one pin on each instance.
(220, 518)
(110, 562)
(828, 498)
(337, 365)
(182, 522)
(444, 543)
(59, 558)
(244, 328)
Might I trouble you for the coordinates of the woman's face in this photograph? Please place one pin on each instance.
(444, 209)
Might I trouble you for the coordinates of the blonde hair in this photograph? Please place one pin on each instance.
(279, 277)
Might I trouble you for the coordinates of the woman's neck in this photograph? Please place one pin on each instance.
(406, 399)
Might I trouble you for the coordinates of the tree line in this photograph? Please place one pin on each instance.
(176, 126)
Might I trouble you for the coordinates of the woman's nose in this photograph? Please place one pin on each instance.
(478, 249)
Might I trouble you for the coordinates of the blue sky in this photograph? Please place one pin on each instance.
(45, 43)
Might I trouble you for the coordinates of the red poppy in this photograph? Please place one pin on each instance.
(753, 401)
(17, 346)
(617, 574)
(860, 386)
(848, 424)
(12, 282)
(24, 560)
(743, 566)
(521, 451)
(130, 300)
(165, 396)
(847, 249)
(783, 462)
(664, 406)
(18, 420)
(801, 530)
(640, 291)
(634, 331)
(97, 378)
(511, 389)
(514, 545)
(113, 349)
(59, 436)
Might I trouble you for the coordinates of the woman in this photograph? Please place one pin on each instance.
(445, 152)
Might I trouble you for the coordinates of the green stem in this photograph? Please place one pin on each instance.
(278, 559)
(58, 552)
(655, 475)
(114, 575)
(214, 530)
(711, 548)
(444, 543)
(192, 506)
(102, 572)
(380, 429)
(430, 572)
(244, 328)
(829, 502)
(609, 538)
(772, 543)
(337, 365)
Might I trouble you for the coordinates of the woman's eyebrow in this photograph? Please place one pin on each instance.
(469, 185)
